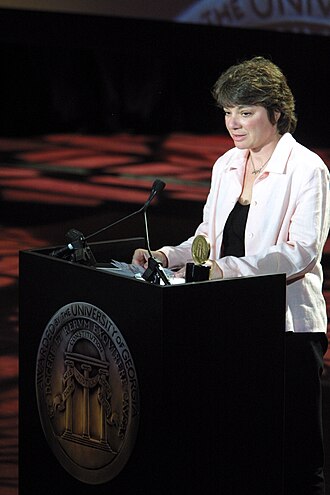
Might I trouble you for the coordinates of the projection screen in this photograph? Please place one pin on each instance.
(304, 16)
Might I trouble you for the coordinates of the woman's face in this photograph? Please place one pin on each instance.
(250, 128)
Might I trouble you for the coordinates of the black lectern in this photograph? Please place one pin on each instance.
(132, 388)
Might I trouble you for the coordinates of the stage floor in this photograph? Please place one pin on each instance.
(51, 183)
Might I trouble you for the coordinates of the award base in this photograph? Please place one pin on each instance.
(197, 273)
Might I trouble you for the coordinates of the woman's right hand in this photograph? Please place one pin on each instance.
(141, 256)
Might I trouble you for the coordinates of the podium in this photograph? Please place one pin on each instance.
(205, 362)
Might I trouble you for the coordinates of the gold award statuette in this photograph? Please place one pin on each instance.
(200, 251)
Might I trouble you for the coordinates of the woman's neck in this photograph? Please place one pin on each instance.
(259, 157)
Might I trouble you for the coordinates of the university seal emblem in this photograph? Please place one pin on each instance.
(87, 393)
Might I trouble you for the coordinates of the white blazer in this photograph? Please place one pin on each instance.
(287, 226)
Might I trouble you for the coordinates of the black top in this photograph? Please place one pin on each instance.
(234, 231)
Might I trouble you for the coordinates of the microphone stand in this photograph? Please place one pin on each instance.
(77, 250)
(155, 272)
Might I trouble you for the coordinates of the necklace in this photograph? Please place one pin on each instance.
(256, 171)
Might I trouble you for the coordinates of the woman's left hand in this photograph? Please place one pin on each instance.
(215, 270)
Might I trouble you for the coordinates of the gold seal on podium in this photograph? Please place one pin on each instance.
(87, 393)
(200, 249)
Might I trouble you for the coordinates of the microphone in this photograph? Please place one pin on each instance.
(76, 239)
(155, 270)
(78, 250)
(157, 186)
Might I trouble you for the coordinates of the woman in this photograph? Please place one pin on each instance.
(267, 212)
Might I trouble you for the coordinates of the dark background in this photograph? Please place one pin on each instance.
(70, 72)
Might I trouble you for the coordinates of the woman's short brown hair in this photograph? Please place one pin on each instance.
(258, 82)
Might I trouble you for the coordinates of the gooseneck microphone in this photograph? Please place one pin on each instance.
(78, 250)
(157, 187)
(155, 272)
